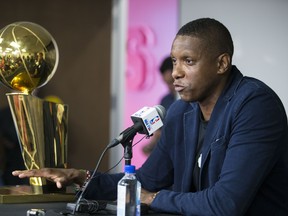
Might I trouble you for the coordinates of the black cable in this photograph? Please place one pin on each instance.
(123, 157)
(83, 191)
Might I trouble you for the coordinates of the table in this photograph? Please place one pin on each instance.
(16, 201)
(52, 209)
(21, 209)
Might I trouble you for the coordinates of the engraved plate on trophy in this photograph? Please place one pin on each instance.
(28, 60)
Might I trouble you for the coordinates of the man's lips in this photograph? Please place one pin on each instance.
(178, 87)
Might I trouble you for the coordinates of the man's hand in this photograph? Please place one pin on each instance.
(147, 197)
(62, 177)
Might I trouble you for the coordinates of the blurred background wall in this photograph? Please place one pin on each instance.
(152, 26)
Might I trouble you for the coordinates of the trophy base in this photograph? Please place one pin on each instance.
(25, 194)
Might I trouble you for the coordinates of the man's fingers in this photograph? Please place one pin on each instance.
(25, 173)
(15, 173)
(58, 184)
(18, 173)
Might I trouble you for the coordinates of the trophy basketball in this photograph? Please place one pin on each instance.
(28, 60)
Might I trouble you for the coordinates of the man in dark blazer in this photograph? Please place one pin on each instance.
(224, 146)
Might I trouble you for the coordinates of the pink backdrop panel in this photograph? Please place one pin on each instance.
(152, 25)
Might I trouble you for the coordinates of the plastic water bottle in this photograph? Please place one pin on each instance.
(128, 194)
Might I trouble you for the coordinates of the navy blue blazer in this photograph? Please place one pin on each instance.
(244, 166)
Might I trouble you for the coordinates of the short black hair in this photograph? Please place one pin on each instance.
(216, 36)
(166, 64)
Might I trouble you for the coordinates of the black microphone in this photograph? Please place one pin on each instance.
(146, 121)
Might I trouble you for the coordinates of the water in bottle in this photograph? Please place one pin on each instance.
(128, 193)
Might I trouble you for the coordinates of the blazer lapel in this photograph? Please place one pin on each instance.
(217, 116)
(191, 125)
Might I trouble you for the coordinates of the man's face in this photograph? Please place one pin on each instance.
(194, 69)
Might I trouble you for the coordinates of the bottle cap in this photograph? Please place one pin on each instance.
(129, 169)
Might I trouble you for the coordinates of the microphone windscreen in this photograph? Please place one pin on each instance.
(148, 119)
(161, 111)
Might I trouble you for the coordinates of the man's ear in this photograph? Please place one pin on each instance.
(224, 63)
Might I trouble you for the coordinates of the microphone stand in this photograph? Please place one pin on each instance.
(127, 151)
(127, 139)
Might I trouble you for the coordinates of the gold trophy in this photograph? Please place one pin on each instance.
(28, 60)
